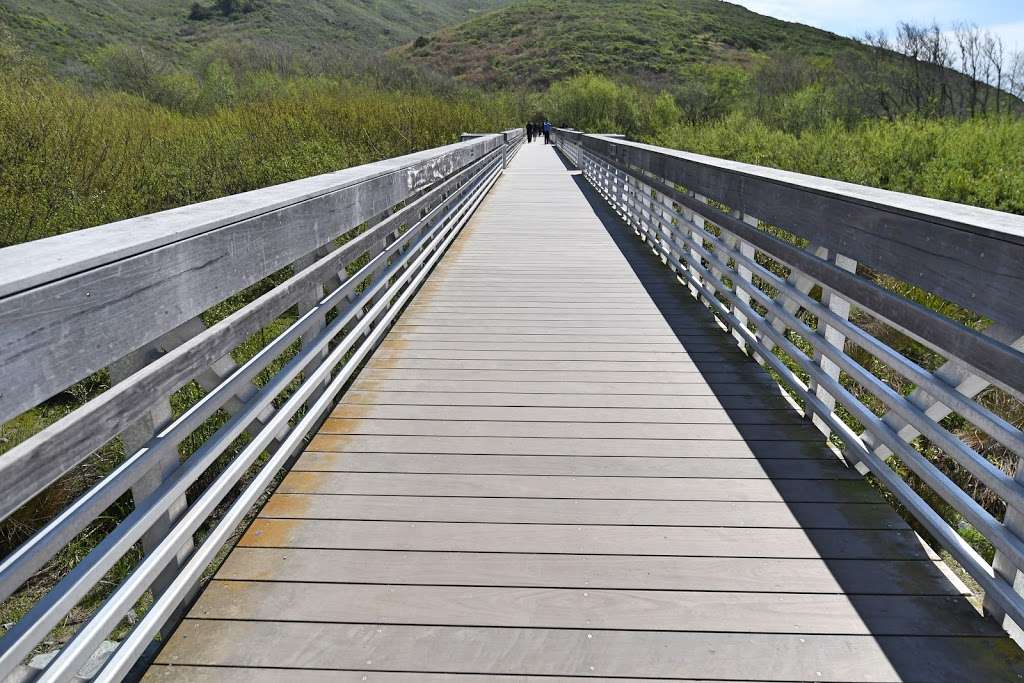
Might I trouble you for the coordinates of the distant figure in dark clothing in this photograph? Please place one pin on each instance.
(547, 132)
(529, 131)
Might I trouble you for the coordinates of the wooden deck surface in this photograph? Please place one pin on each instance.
(557, 467)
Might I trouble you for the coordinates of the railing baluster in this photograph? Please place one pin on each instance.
(743, 275)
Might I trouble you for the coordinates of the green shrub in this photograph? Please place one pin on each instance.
(596, 103)
(976, 161)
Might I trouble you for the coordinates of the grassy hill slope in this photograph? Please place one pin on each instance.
(542, 41)
(65, 32)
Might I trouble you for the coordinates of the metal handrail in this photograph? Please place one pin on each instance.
(713, 222)
(347, 295)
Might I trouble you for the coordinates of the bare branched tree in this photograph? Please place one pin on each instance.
(995, 61)
(968, 40)
(1015, 76)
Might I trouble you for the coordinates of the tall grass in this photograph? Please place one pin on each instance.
(72, 158)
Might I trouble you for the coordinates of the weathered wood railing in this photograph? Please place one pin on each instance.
(780, 258)
(311, 274)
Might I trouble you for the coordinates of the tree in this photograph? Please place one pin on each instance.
(995, 58)
(968, 40)
(199, 12)
(228, 7)
(127, 67)
(923, 82)
(1015, 77)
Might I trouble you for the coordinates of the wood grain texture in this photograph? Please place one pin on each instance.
(614, 511)
(668, 448)
(588, 540)
(563, 652)
(581, 466)
(546, 486)
(560, 469)
(647, 610)
(693, 416)
(235, 674)
(742, 574)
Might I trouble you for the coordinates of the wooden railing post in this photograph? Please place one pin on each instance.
(743, 275)
(136, 436)
(841, 307)
(1007, 570)
(306, 302)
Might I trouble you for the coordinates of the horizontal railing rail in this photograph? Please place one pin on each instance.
(225, 331)
(812, 276)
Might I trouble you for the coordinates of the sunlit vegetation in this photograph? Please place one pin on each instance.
(74, 157)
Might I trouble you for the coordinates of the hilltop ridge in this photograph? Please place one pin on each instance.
(537, 42)
(64, 33)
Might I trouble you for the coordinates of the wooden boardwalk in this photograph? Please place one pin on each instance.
(557, 467)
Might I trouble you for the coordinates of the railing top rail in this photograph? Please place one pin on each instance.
(31, 264)
(994, 224)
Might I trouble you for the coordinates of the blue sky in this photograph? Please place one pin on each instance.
(855, 17)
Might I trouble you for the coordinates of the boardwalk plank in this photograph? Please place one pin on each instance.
(558, 376)
(564, 652)
(617, 511)
(582, 466)
(535, 386)
(569, 430)
(534, 365)
(614, 401)
(850, 577)
(649, 610)
(663, 448)
(588, 540)
(234, 674)
(540, 486)
(446, 412)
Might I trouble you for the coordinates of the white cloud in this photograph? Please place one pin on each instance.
(1011, 33)
(855, 17)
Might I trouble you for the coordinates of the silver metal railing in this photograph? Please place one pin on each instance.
(791, 266)
(311, 275)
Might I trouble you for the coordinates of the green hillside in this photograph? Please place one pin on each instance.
(542, 41)
(65, 32)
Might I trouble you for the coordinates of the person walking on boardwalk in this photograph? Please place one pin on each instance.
(529, 131)
(547, 132)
